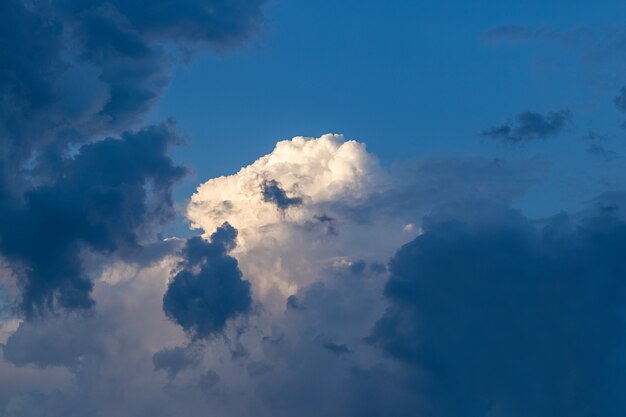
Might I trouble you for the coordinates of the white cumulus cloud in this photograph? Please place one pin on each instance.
(284, 207)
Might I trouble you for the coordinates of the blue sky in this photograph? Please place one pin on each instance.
(272, 208)
(410, 79)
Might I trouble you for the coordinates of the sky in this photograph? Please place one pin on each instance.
(409, 79)
(285, 208)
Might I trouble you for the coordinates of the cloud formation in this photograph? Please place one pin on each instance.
(298, 177)
(108, 198)
(500, 316)
(74, 72)
(290, 195)
(74, 68)
(480, 310)
(209, 289)
(530, 126)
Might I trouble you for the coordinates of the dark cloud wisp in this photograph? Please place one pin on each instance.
(530, 126)
(273, 193)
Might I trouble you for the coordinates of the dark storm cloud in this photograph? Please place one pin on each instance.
(529, 126)
(105, 199)
(209, 290)
(273, 193)
(72, 72)
(499, 316)
(72, 68)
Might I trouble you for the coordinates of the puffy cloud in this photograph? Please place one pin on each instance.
(73, 72)
(75, 68)
(530, 126)
(74, 364)
(285, 207)
(298, 177)
(498, 316)
(106, 198)
(313, 202)
(209, 289)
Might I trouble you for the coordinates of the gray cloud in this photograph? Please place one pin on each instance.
(72, 72)
(108, 198)
(496, 316)
(176, 359)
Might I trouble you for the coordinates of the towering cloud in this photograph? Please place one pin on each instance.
(293, 183)
(297, 194)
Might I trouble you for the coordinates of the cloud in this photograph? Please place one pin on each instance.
(530, 126)
(272, 193)
(174, 360)
(345, 197)
(105, 199)
(209, 289)
(313, 171)
(598, 50)
(597, 146)
(74, 68)
(289, 195)
(620, 100)
(61, 342)
(180, 331)
(496, 315)
(600, 150)
(74, 72)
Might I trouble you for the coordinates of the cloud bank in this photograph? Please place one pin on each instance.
(80, 178)
(339, 287)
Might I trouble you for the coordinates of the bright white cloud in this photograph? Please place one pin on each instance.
(317, 171)
(282, 249)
